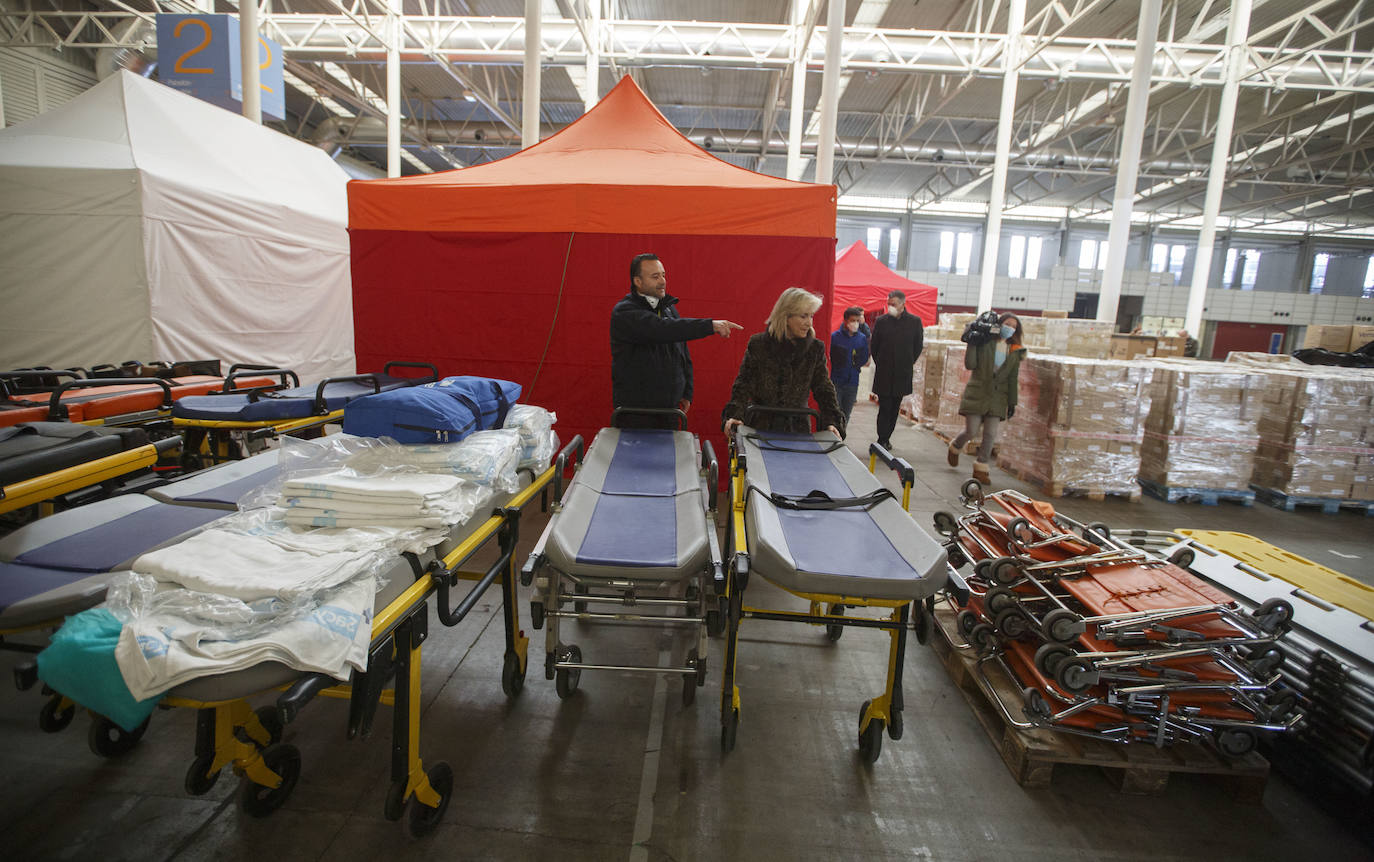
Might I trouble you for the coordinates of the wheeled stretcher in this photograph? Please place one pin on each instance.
(230, 732)
(632, 541)
(809, 517)
(43, 460)
(1109, 641)
(232, 425)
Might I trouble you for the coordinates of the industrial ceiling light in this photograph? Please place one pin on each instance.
(468, 96)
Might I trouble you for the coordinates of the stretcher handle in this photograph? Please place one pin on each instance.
(572, 450)
(900, 466)
(650, 411)
(238, 372)
(322, 407)
(754, 410)
(42, 377)
(433, 370)
(57, 411)
(301, 692)
(167, 444)
(708, 460)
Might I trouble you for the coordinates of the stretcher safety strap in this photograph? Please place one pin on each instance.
(818, 500)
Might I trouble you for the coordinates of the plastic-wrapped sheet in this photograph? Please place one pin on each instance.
(538, 440)
(486, 457)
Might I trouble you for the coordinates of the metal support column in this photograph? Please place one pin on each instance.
(248, 60)
(1128, 164)
(795, 114)
(1237, 32)
(992, 235)
(830, 92)
(529, 117)
(393, 88)
(592, 95)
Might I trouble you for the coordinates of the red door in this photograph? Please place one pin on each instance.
(1255, 337)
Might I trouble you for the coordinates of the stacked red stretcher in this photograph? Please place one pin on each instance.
(1109, 642)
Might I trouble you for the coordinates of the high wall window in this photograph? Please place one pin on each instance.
(955, 251)
(1368, 292)
(1168, 258)
(894, 236)
(1229, 274)
(1248, 268)
(1023, 256)
(1092, 254)
(1319, 264)
(874, 240)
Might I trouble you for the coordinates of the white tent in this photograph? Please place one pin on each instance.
(137, 222)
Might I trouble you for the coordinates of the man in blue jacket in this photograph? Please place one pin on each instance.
(650, 364)
(848, 353)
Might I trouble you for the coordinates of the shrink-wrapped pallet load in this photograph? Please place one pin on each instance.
(1202, 430)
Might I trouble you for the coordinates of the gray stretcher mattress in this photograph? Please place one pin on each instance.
(222, 486)
(635, 509)
(873, 553)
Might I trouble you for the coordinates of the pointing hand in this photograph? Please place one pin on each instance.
(723, 327)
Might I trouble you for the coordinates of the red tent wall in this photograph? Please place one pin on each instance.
(862, 280)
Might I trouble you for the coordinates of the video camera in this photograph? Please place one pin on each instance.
(982, 329)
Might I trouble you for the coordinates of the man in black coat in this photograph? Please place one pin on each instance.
(650, 363)
(898, 337)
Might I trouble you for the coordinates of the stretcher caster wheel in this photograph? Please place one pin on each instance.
(998, 599)
(1061, 626)
(871, 737)
(581, 590)
(946, 524)
(1036, 707)
(729, 727)
(1011, 624)
(1098, 533)
(52, 717)
(423, 819)
(1072, 675)
(1049, 657)
(1004, 571)
(1020, 531)
(715, 618)
(108, 739)
(394, 808)
(835, 631)
(548, 665)
(1236, 741)
(270, 719)
(259, 801)
(921, 620)
(692, 682)
(966, 620)
(971, 491)
(1273, 614)
(895, 729)
(1281, 704)
(537, 615)
(199, 778)
(1183, 557)
(512, 675)
(1266, 661)
(957, 558)
(984, 638)
(565, 679)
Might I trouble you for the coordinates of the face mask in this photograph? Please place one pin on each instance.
(852, 326)
(1007, 332)
(894, 309)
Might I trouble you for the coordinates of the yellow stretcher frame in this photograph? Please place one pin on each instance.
(40, 489)
(232, 733)
(213, 438)
(883, 711)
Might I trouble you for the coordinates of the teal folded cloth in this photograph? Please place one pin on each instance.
(80, 663)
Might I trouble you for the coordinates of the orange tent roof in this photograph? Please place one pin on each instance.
(863, 280)
(621, 168)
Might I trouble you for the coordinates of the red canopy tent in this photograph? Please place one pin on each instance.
(510, 269)
(862, 280)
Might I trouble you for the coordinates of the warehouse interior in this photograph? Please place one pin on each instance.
(1171, 197)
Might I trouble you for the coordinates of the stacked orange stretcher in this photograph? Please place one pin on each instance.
(1109, 642)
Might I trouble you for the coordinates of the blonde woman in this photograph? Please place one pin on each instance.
(783, 366)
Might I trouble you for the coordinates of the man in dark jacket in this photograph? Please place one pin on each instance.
(898, 337)
(650, 364)
(848, 353)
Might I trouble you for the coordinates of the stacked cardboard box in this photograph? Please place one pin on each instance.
(943, 392)
(1317, 433)
(1078, 425)
(1090, 339)
(1328, 337)
(1132, 346)
(1202, 429)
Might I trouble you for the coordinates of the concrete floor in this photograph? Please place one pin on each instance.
(623, 770)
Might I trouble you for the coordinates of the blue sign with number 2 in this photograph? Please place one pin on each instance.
(199, 55)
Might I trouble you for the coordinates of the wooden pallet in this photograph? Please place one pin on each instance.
(1328, 505)
(1034, 755)
(1205, 496)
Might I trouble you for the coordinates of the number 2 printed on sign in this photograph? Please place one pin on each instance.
(179, 67)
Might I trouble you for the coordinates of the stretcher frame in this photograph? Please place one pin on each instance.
(883, 711)
(563, 663)
(215, 441)
(41, 489)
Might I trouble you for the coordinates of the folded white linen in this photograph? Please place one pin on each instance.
(304, 517)
(158, 652)
(397, 486)
(360, 507)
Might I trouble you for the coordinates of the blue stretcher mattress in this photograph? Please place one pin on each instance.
(222, 486)
(295, 403)
(873, 553)
(635, 509)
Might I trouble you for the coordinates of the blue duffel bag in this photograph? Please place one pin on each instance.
(445, 411)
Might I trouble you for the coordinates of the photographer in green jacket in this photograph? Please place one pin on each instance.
(990, 396)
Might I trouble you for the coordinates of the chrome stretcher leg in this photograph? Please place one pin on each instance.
(431, 788)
